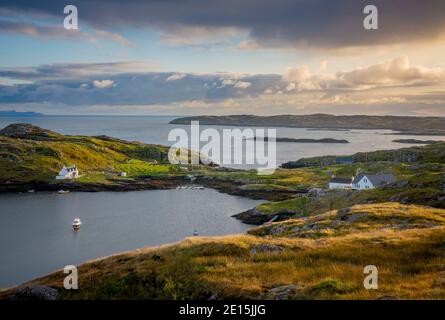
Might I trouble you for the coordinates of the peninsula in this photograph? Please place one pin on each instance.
(405, 124)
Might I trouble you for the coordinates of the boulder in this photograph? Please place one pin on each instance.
(343, 212)
(34, 292)
(282, 292)
(266, 248)
(26, 131)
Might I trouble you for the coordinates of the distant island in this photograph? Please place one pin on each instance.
(13, 113)
(403, 124)
(327, 129)
(415, 141)
(305, 140)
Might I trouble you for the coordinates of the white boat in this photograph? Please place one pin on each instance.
(76, 223)
(196, 233)
(61, 191)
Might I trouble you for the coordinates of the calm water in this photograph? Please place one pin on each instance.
(36, 236)
(155, 129)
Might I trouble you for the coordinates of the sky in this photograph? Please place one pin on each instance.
(194, 57)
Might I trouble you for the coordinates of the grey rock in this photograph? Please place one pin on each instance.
(266, 248)
(401, 184)
(34, 292)
(341, 213)
(388, 298)
(282, 292)
(316, 192)
(355, 217)
(214, 297)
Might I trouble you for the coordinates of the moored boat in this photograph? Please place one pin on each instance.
(77, 223)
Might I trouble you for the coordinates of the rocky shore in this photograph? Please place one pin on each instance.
(122, 185)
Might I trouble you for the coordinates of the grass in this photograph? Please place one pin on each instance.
(266, 187)
(355, 220)
(134, 167)
(297, 205)
(410, 266)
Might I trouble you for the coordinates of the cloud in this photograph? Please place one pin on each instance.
(235, 83)
(176, 76)
(56, 31)
(68, 84)
(270, 24)
(296, 74)
(228, 82)
(301, 79)
(396, 72)
(42, 31)
(113, 36)
(102, 84)
(75, 70)
(199, 35)
(242, 85)
(389, 83)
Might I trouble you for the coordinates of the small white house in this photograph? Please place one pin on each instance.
(340, 183)
(68, 173)
(366, 181)
(123, 174)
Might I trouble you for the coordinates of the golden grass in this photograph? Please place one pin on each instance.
(411, 265)
(358, 218)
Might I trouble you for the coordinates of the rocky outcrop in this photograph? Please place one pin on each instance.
(255, 217)
(160, 183)
(266, 248)
(34, 292)
(26, 131)
(284, 292)
(234, 187)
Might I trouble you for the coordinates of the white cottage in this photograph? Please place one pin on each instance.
(340, 183)
(366, 181)
(68, 173)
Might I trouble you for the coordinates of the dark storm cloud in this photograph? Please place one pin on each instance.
(278, 23)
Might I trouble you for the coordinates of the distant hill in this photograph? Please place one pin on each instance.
(12, 113)
(30, 155)
(425, 125)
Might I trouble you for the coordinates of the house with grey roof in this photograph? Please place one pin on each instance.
(70, 172)
(366, 181)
